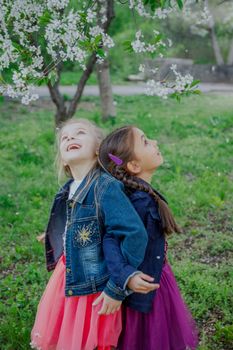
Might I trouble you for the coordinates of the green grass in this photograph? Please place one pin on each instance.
(195, 138)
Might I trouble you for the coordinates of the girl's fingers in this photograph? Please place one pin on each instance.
(103, 310)
(98, 300)
(146, 277)
(109, 311)
(146, 289)
(148, 286)
(115, 309)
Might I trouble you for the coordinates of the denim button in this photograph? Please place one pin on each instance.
(71, 204)
(70, 292)
(67, 270)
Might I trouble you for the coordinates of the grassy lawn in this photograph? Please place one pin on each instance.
(195, 138)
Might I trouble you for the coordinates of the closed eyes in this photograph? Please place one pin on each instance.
(63, 138)
(79, 132)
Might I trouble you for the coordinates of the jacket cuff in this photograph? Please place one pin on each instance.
(126, 273)
(115, 292)
(127, 280)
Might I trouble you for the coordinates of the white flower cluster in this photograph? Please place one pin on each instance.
(95, 31)
(103, 11)
(33, 33)
(57, 4)
(143, 68)
(164, 89)
(199, 17)
(24, 24)
(140, 46)
(24, 15)
(139, 6)
(91, 15)
(63, 35)
(181, 81)
(26, 93)
(156, 88)
(8, 52)
(107, 41)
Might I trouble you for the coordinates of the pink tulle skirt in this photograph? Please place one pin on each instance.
(72, 323)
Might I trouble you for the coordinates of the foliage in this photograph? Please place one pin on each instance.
(36, 37)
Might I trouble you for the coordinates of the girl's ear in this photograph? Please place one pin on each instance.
(134, 167)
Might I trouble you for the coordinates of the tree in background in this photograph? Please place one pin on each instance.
(211, 19)
(37, 37)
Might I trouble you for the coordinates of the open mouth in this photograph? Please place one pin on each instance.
(73, 146)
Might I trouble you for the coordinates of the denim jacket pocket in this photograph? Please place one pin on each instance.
(85, 232)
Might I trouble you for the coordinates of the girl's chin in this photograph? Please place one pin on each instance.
(158, 164)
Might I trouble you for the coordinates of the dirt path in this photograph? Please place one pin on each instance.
(134, 89)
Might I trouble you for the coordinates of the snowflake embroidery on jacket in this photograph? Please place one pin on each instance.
(83, 236)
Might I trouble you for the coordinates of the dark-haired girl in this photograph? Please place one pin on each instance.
(160, 319)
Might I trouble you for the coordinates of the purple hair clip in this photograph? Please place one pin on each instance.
(115, 159)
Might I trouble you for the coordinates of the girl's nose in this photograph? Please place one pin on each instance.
(70, 137)
(154, 142)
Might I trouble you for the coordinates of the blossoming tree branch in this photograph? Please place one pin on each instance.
(37, 37)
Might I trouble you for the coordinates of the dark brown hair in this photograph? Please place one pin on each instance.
(120, 143)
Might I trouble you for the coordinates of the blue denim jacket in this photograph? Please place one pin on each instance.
(152, 264)
(99, 210)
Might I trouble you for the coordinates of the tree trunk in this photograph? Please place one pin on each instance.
(61, 109)
(230, 54)
(105, 89)
(217, 51)
(80, 87)
(216, 48)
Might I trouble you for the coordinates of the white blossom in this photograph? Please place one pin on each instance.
(91, 16)
(154, 88)
(67, 37)
(140, 46)
(95, 31)
(107, 41)
(57, 4)
(142, 68)
(139, 6)
(180, 85)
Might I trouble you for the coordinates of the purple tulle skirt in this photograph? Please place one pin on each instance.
(169, 325)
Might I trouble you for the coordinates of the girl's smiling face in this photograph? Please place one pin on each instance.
(77, 143)
(148, 156)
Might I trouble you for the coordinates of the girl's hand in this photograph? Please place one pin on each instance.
(109, 305)
(142, 283)
(41, 238)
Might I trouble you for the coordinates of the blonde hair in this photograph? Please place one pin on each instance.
(64, 170)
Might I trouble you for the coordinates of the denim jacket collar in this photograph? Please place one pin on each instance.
(83, 190)
(64, 190)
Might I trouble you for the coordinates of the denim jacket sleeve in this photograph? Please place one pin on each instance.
(125, 238)
(148, 211)
(120, 270)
